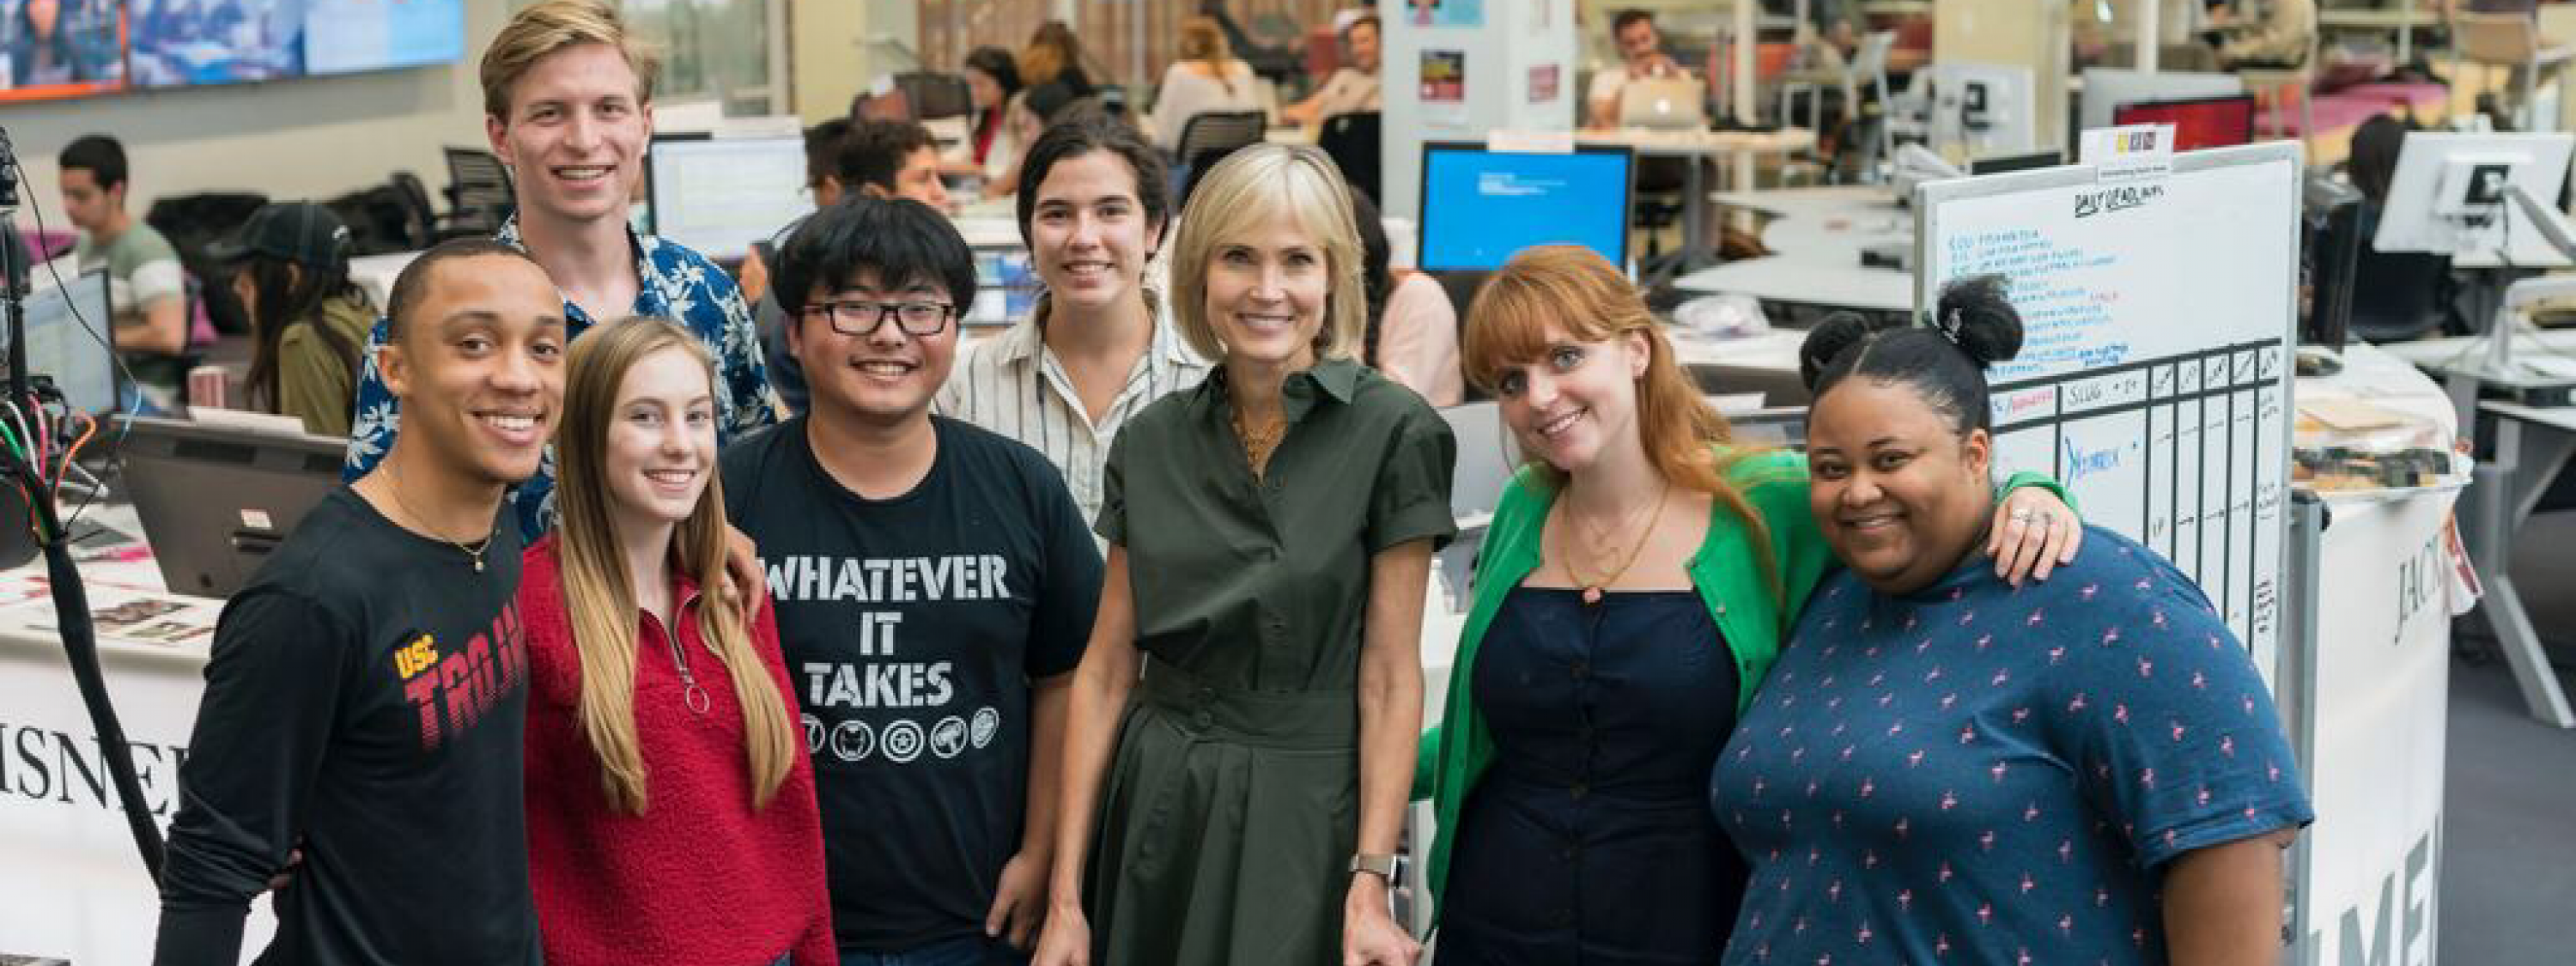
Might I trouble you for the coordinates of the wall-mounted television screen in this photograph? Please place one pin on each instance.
(187, 43)
(347, 36)
(61, 48)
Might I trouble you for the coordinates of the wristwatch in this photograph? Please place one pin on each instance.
(1379, 864)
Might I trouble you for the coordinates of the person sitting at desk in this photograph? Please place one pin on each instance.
(147, 290)
(1641, 56)
(871, 159)
(1052, 65)
(1351, 90)
(2281, 38)
(308, 319)
(991, 150)
(1206, 79)
(2395, 295)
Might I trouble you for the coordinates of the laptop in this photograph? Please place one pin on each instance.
(216, 501)
(1664, 104)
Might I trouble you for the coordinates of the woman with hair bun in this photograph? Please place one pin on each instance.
(1946, 767)
(1629, 598)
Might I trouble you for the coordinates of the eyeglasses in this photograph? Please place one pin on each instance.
(861, 317)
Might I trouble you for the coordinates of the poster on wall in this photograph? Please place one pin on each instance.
(1444, 86)
(1545, 80)
(60, 48)
(1447, 13)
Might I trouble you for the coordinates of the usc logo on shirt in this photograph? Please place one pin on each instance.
(453, 690)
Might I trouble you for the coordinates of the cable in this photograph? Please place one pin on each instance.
(115, 445)
(89, 428)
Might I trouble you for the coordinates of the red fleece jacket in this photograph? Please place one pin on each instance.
(700, 877)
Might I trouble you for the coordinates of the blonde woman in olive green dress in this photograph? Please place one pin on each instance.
(1242, 728)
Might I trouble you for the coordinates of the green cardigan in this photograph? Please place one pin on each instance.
(1729, 578)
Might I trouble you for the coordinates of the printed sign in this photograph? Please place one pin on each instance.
(2137, 152)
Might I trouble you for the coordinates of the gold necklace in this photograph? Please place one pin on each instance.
(475, 552)
(1257, 446)
(1592, 588)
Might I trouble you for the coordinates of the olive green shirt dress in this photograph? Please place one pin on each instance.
(1230, 811)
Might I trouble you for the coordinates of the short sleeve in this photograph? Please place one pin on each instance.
(1410, 499)
(374, 415)
(1111, 524)
(2177, 737)
(311, 383)
(746, 376)
(158, 279)
(1069, 590)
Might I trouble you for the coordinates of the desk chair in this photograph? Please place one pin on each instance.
(1352, 141)
(2511, 41)
(1210, 135)
(2397, 296)
(1868, 66)
(479, 195)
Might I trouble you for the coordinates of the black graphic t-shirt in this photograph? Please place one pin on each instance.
(912, 627)
(364, 703)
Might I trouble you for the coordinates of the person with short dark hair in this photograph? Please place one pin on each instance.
(1641, 56)
(367, 690)
(934, 586)
(567, 100)
(2087, 769)
(1353, 88)
(878, 159)
(290, 266)
(147, 290)
(1093, 200)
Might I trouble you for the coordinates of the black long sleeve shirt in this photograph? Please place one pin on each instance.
(364, 703)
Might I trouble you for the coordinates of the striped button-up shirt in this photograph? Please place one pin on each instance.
(1013, 384)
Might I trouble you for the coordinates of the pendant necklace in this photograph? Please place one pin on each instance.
(473, 551)
(1592, 589)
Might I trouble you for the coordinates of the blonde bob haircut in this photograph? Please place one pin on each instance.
(1249, 189)
(552, 25)
(600, 599)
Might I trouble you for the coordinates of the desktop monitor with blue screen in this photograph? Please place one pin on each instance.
(68, 339)
(1481, 207)
(719, 195)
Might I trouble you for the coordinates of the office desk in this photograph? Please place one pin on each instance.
(1816, 236)
(2400, 20)
(1733, 148)
(2531, 446)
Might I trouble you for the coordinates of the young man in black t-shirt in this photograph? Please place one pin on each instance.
(934, 588)
(366, 691)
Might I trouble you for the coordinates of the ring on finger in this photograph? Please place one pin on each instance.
(2019, 514)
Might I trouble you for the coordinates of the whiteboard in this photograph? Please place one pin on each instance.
(2154, 376)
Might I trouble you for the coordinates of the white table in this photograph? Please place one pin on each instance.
(2531, 446)
(2401, 21)
(1816, 236)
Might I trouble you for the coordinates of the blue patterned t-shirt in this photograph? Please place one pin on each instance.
(674, 283)
(1979, 774)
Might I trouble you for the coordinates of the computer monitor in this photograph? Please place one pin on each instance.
(719, 195)
(1982, 109)
(70, 340)
(2222, 121)
(2105, 89)
(215, 501)
(2016, 162)
(1006, 285)
(2448, 197)
(1481, 207)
